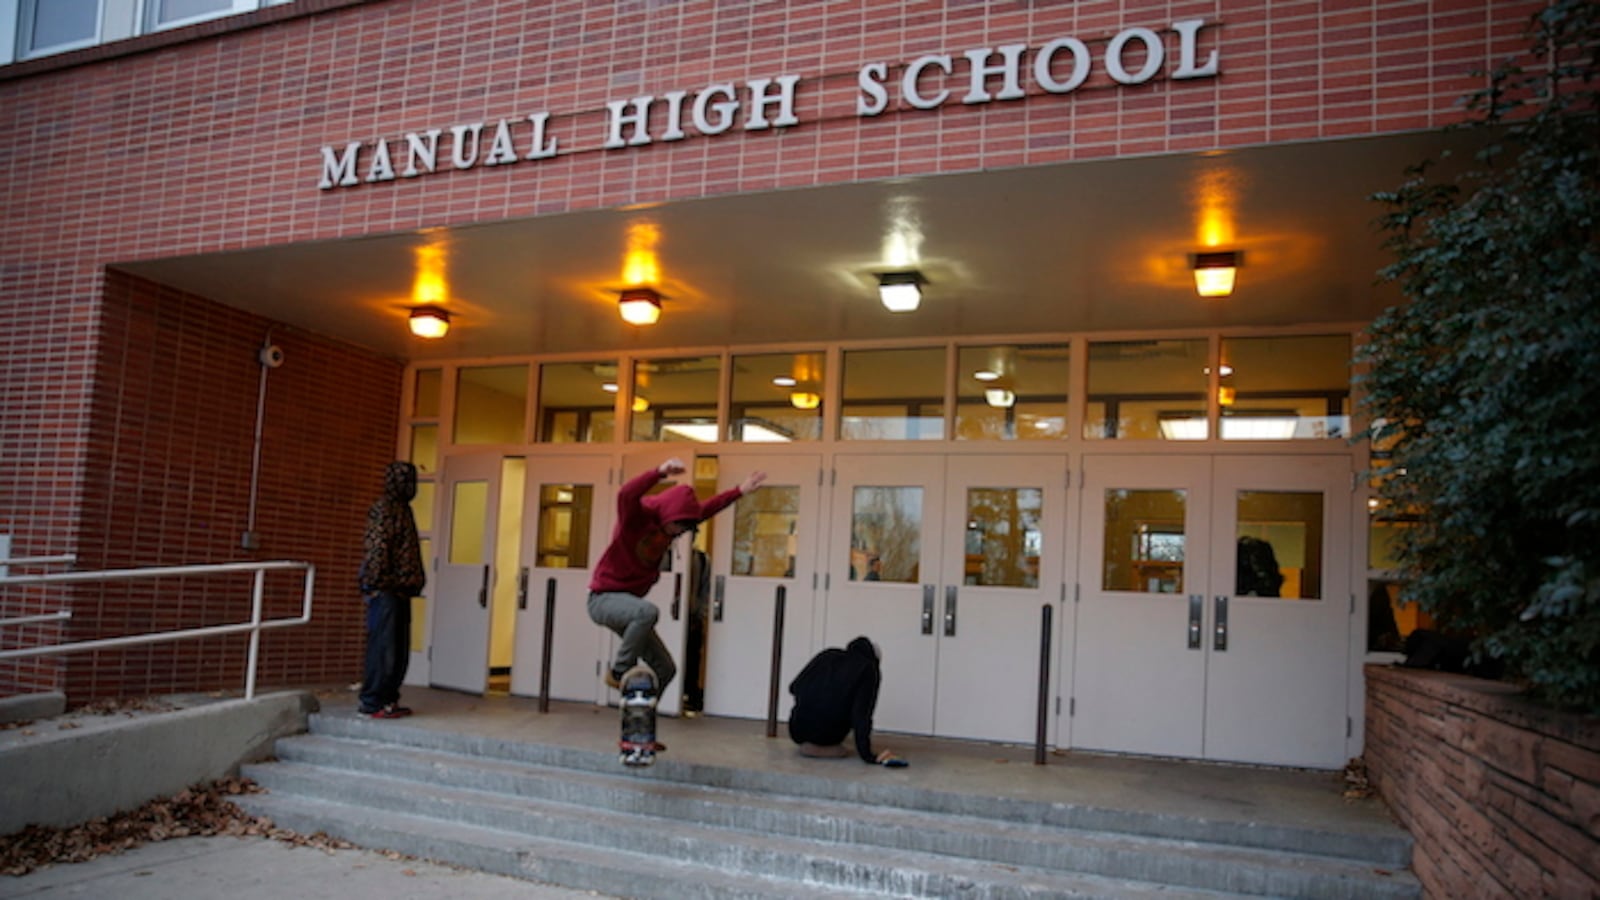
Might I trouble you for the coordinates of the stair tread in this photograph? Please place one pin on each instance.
(535, 853)
(863, 813)
(733, 846)
(1387, 848)
(852, 836)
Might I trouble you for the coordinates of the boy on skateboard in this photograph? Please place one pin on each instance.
(631, 565)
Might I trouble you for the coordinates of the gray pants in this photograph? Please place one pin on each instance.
(634, 621)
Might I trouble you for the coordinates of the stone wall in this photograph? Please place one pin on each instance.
(1502, 797)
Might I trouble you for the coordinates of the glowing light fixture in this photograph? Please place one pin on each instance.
(1000, 398)
(901, 291)
(640, 306)
(784, 381)
(1214, 272)
(429, 322)
(986, 375)
(805, 400)
(640, 404)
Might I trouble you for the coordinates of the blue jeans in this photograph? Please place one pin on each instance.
(388, 650)
(634, 621)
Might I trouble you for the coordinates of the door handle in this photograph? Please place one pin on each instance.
(718, 589)
(927, 609)
(483, 590)
(677, 596)
(950, 610)
(1220, 642)
(522, 588)
(1197, 604)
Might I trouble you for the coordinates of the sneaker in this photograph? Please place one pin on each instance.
(387, 712)
(396, 711)
(659, 747)
(613, 679)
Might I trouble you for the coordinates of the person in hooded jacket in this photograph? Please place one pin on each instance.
(835, 695)
(631, 564)
(391, 574)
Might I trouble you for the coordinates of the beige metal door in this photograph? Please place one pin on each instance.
(567, 514)
(766, 547)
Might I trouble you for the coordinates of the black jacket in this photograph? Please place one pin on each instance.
(836, 693)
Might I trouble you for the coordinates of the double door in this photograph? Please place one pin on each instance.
(1215, 610)
(520, 537)
(946, 562)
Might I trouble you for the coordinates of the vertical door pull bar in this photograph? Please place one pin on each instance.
(549, 643)
(927, 609)
(719, 585)
(780, 599)
(522, 588)
(483, 590)
(1221, 641)
(677, 596)
(1196, 610)
(950, 610)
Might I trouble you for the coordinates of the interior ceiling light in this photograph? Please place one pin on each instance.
(986, 375)
(901, 291)
(784, 381)
(1000, 398)
(640, 306)
(1214, 271)
(805, 400)
(640, 404)
(429, 322)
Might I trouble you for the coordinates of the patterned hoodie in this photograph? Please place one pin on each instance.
(393, 562)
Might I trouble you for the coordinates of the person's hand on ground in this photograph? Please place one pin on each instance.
(887, 759)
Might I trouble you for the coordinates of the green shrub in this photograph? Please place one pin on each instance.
(1487, 380)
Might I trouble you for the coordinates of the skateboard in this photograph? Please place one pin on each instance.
(638, 742)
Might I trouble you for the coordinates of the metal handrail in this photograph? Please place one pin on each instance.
(255, 626)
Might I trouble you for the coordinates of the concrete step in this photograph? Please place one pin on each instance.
(1389, 850)
(663, 859)
(571, 815)
(1137, 857)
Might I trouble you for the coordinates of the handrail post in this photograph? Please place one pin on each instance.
(1047, 613)
(779, 602)
(255, 633)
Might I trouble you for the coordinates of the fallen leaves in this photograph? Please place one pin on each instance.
(1357, 785)
(200, 811)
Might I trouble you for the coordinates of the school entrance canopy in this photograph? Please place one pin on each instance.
(1088, 246)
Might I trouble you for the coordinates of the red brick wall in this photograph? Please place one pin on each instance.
(1502, 797)
(165, 147)
(168, 447)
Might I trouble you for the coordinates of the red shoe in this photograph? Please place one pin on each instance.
(396, 711)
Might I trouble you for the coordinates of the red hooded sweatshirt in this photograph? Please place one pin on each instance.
(632, 562)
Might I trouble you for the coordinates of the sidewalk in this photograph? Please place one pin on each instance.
(245, 868)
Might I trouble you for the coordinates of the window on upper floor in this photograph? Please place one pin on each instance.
(46, 27)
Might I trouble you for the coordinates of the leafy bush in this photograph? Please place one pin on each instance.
(1487, 380)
